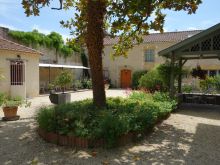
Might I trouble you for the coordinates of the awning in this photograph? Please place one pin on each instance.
(62, 66)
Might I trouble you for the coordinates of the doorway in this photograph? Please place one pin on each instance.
(125, 78)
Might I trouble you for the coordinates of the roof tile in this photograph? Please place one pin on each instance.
(159, 37)
(9, 45)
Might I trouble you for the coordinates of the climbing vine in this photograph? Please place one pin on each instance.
(52, 41)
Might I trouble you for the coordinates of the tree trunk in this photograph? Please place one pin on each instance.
(96, 10)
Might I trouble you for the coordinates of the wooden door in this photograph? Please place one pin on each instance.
(125, 78)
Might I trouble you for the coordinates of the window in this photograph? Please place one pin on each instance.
(17, 73)
(149, 55)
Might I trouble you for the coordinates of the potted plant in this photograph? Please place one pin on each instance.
(10, 106)
(64, 79)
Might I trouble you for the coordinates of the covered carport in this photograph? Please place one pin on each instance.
(49, 72)
(204, 45)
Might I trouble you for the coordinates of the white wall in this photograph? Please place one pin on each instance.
(32, 72)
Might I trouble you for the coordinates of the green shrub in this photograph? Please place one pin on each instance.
(217, 83)
(78, 84)
(64, 79)
(208, 84)
(158, 79)
(141, 96)
(187, 88)
(83, 84)
(122, 115)
(86, 83)
(164, 71)
(136, 77)
(46, 119)
(2, 98)
(151, 81)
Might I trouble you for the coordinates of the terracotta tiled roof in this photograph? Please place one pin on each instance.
(9, 45)
(158, 37)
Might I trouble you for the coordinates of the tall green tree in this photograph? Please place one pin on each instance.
(57, 42)
(128, 19)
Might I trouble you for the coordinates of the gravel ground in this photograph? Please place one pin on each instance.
(190, 136)
(37, 102)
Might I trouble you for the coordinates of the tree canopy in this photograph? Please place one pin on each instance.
(127, 19)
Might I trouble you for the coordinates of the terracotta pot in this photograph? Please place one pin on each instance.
(10, 111)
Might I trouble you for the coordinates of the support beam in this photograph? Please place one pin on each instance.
(184, 62)
(49, 76)
(181, 63)
(172, 76)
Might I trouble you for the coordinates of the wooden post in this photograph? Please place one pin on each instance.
(49, 75)
(172, 76)
(180, 76)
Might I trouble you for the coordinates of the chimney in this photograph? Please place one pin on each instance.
(4, 32)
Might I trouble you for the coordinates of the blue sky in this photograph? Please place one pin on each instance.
(12, 16)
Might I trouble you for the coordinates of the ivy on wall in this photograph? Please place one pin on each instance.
(52, 41)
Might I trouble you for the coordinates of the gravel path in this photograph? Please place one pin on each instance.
(190, 136)
(36, 103)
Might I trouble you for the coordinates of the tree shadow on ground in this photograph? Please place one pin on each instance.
(205, 148)
(21, 145)
(200, 110)
(168, 144)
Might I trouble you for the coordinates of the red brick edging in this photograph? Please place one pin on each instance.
(73, 141)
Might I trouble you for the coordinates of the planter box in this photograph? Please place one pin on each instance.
(10, 111)
(10, 114)
(60, 98)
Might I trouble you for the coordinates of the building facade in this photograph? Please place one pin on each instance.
(145, 57)
(45, 75)
(19, 66)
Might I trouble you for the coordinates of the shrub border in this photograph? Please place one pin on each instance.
(80, 142)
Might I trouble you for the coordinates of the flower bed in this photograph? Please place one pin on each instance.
(80, 124)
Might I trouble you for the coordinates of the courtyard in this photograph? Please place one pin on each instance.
(189, 136)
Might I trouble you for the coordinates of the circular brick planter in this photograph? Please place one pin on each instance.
(80, 142)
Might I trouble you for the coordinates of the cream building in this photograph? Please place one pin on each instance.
(145, 57)
(45, 74)
(19, 66)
